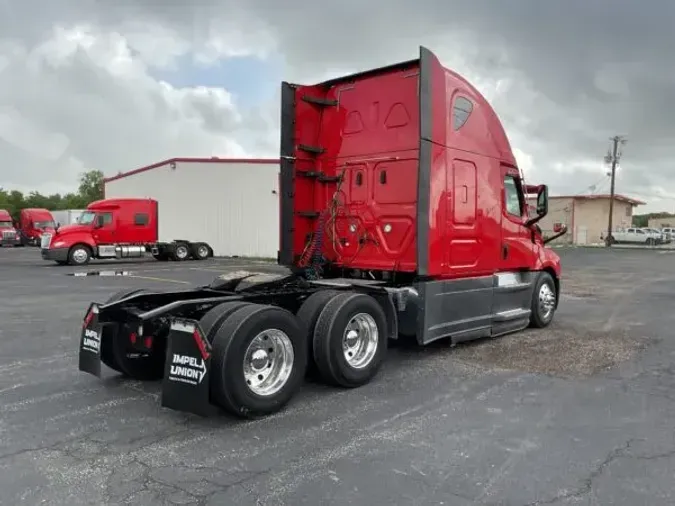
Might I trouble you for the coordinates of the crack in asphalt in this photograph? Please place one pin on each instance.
(587, 483)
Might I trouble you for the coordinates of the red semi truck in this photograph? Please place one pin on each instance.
(116, 229)
(33, 222)
(403, 213)
(9, 236)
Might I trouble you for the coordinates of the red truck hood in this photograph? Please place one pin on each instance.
(69, 229)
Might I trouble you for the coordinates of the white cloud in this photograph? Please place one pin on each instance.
(84, 98)
(562, 78)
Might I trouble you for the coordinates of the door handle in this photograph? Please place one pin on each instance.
(505, 251)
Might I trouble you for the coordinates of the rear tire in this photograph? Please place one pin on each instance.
(350, 340)
(213, 318)
(543, 301)
(258, 360)
(200, 251)
(180, 252)
(136, 365)
(120, 356)
(308, 314)
(109, 332)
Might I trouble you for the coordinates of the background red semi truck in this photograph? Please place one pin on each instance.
(33, 222)
(9, 236)
(117, 228)
(403, 213)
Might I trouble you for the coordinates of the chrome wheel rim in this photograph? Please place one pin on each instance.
(181, 252)
(546, 301)
(360, 340)
(268, 362)
(79, 255)
(202, 252)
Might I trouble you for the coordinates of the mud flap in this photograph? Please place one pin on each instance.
(90, 343)
(185, 386)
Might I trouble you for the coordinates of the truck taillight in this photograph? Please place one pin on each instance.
(557, 227)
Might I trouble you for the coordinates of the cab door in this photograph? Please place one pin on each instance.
(104, 228)
(516, 249)
(512, 296)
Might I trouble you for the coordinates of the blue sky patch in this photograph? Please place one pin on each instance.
(249, 79)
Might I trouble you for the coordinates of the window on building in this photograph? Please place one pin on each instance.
(512, 196)
(461, 110)
(628, 211)
(141, 219)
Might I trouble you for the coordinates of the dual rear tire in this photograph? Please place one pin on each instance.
(261, 353)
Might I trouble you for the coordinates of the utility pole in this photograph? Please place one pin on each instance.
(613, 156)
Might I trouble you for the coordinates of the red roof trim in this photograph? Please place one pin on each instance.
(191, 160)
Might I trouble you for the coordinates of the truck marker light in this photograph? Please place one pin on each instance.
(89, 316)
(200, 344)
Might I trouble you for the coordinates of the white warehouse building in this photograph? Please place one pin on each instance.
(231, 204)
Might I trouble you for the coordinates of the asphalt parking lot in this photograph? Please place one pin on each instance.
(578, 414)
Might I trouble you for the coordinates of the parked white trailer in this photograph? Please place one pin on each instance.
(232, 204)
(67, 216)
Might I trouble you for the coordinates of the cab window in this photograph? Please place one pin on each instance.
(512, 197)
(141, 219)
(461, 110)
(107, 218)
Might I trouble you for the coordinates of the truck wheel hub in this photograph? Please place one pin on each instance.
(546, 300)
(360, 340)
(259, 360)
(268, 362)
(79, 255)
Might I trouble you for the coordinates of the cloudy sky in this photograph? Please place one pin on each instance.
(115, 85)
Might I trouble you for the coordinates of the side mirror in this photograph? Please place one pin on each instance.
(542, 205)
(542, 201)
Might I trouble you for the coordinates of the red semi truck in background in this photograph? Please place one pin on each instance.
(33, 222)
(9, 236)
(116, 229)
(403, 213)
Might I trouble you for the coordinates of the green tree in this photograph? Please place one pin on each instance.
(642, 220)
(90, 189)
(91, 185)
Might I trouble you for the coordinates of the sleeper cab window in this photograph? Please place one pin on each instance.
(461, 110)
(140, 219)
(512, 196)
